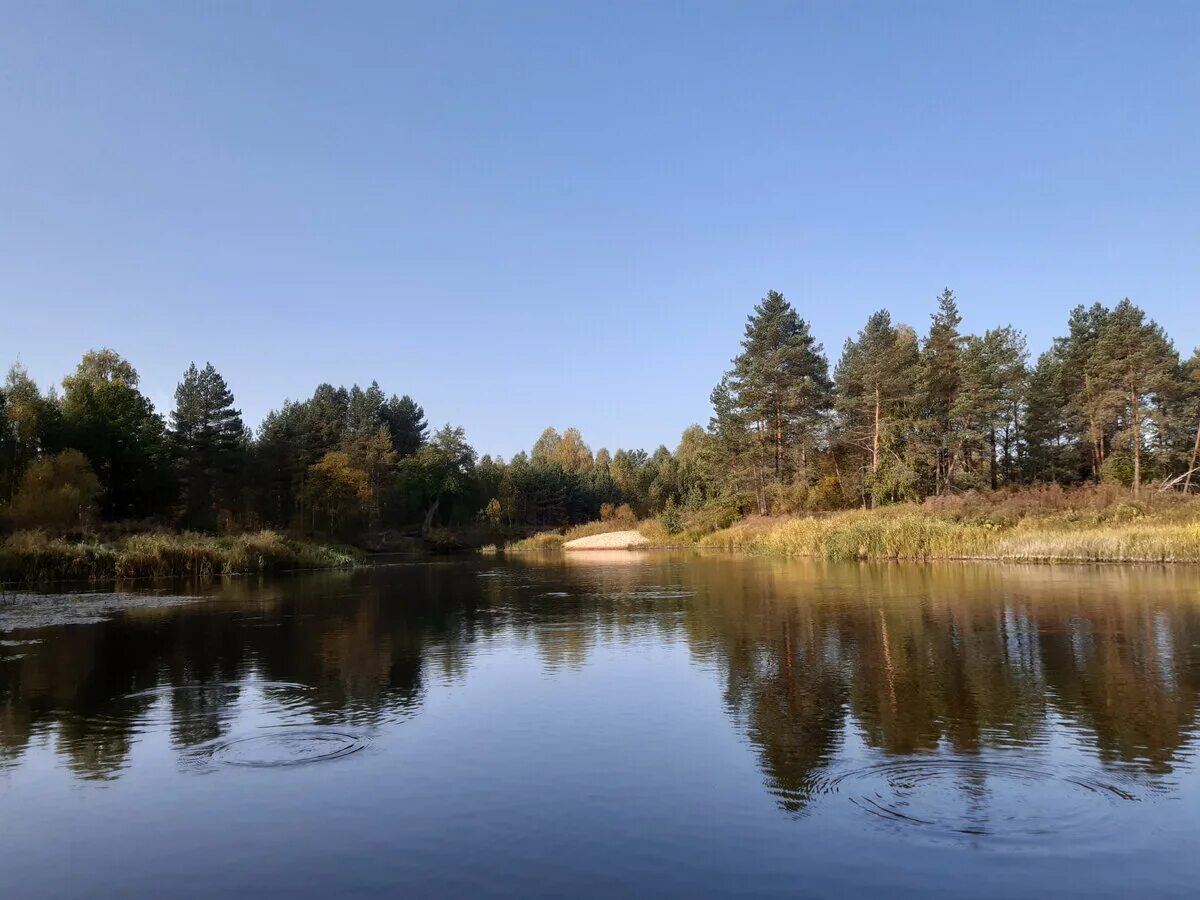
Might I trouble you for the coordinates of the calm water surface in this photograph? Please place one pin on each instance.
(597, 725)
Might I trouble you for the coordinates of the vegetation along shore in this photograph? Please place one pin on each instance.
(914, 445)
(1045, 525)
(33, 556)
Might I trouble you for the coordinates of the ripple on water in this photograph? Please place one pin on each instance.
(282, 747)
(650, 592)
(975, 797)
(191, 710)
(201, 687)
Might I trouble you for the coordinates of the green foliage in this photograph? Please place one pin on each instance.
(903, 418)
(336, 489)
(107, 418)
(58, 492)
(493, 513)
(780, 389)
(440, 471)
(33, 556)
(670, 518)
(209, 444)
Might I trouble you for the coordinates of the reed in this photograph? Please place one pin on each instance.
(32, 556)
(543, 540)
(919, 534)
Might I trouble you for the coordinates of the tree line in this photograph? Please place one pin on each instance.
(901, 416)
(343, 462)
(905, 416)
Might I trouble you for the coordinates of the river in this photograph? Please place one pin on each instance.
(608, 723)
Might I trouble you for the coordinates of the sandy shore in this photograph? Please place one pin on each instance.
(613, 540)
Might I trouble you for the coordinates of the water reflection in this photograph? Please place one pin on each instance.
(893, 686)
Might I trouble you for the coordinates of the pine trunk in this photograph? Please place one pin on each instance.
(1137, 445)
(992, 439)
(875, 437)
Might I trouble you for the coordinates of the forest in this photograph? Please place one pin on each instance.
(901, 416)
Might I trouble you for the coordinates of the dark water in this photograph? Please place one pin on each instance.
(611, 724)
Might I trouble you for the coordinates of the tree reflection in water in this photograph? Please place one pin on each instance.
(954, 659)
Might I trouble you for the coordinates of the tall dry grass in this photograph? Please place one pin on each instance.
(1051, 525)
(30, 556)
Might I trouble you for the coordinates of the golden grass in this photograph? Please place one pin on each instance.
(543, 540)
(910, 532)
(1038, 524)
(553, 540)
(33, 556)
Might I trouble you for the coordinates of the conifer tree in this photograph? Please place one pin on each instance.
(780, 380)
(876, 377)
(1192, 376)
(1082, 389)
(405, 420)
(940, 362)
(209, 442)
(1136, 361)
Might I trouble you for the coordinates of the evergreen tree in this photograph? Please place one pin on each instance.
(731, 450)
(1136, 361)
(405, 421)
(1051, 451)
(780, 381)
(209, 444)
(940, 365)
(1191, 374)
(988, 403)
(1083, 394)
(876, 378)
(364, 410)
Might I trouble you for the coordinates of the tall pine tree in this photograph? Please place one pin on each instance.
(781, 383)
(209, 442)
(1135, 361)
(940, 363)
(876, 378)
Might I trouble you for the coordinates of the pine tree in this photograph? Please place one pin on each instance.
(405, 420)
(940, 365)
(988, 401)
(780, 381)
(209, 442)
(1192, 376)
(1082, 391)
(364, 413)
(1136, 361)
(730, 449)
(1050, 441)
(876, 378)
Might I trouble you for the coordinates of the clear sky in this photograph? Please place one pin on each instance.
(561, 213)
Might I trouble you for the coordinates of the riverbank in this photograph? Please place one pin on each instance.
(909, 534)
(33, 556)
(1033, 525)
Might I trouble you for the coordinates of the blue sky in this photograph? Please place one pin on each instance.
(561, 213)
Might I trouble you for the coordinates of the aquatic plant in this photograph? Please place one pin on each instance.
(27, 556)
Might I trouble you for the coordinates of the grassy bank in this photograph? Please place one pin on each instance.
(1091, 525)
(553, 540)
(1050, 525)
(32, 556)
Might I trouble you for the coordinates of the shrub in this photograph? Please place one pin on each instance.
(670, 517)
(56, 492)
